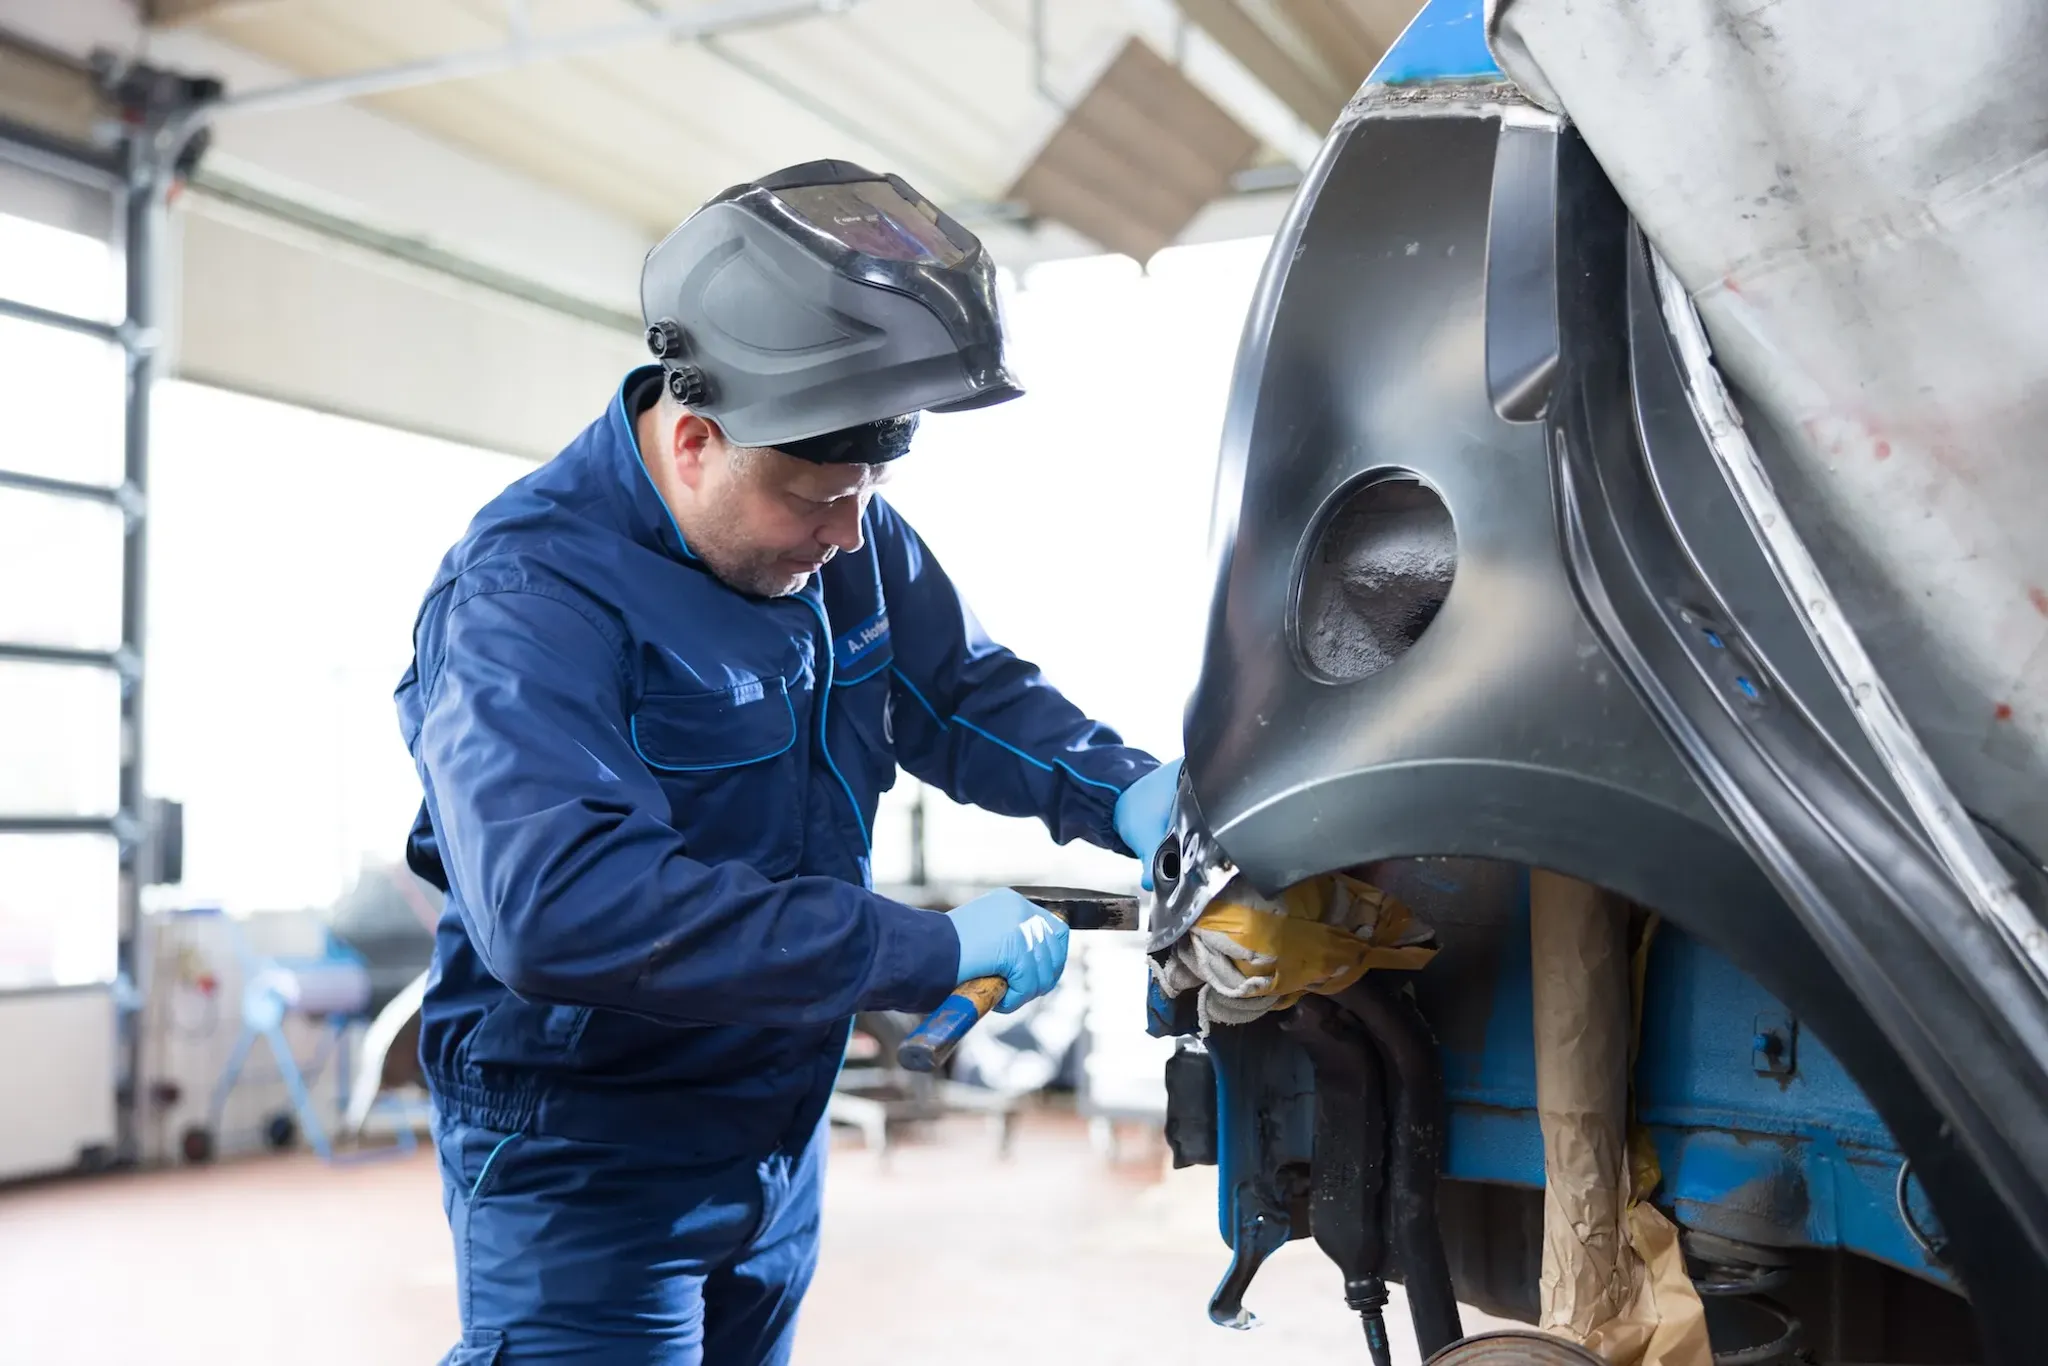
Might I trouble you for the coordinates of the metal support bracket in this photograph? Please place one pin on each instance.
(1774, 1048)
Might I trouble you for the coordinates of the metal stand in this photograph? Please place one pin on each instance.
(272, 992)
(265, 1021)
(873, 1098)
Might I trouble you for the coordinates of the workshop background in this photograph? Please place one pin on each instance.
(246, 405)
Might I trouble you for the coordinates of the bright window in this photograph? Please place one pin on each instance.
(1075, 520)
(60, 585)
(289, 551)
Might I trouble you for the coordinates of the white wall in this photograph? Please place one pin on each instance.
(56, 1079)
(279, 313)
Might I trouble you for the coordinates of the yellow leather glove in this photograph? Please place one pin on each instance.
(1248, 955)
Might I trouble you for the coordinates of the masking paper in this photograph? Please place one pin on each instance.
(1614, 1277)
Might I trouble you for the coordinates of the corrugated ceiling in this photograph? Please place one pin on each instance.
(957, 95)
(939, 90)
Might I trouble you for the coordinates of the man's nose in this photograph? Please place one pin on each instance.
(842, 528)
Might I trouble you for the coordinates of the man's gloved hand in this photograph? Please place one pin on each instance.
(1003, 935)
(1144, 811)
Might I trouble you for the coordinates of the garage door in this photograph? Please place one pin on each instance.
(70, 666)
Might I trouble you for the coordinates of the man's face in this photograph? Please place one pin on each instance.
(764, 522)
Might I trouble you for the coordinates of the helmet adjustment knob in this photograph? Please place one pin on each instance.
(687, 385)
(665, 339)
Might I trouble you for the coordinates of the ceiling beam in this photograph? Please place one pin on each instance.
(252, 199)
(695, 24)
(47, 90)
(1380, 20)
(171, 13)
(1137, 158)
(1309, 94)
(1333, 29)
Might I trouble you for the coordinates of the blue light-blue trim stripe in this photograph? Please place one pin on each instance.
(945, 722)
(633, 447)
(485, 1170)
(824, 711)
(849, 682)
(904, 679)
(633, 730)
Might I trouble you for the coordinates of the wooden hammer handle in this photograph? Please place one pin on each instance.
(932, 1042)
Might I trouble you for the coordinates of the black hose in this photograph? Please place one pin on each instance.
(1347, 1173)
(1415, 1153)
(1376, 1344)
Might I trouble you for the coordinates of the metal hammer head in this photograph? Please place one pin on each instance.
(1086, 910)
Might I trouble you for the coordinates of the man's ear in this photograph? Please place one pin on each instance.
(695, 439)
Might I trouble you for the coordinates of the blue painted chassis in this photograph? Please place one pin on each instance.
(1799, 1160)
(1780, 1157)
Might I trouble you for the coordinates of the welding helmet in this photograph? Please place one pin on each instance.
(820, 309)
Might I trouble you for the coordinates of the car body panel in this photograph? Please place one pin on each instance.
(1613, 687)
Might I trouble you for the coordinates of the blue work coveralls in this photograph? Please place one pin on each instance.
(649, 799)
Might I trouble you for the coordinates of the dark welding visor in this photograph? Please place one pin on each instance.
(871, 443)
(820, 301)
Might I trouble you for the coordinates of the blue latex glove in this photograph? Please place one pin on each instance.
(1003, 935)
(1143, 813)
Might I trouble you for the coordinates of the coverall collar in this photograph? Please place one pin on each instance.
(651, 521)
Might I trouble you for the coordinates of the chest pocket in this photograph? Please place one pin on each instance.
(868, 712)
(729, 762)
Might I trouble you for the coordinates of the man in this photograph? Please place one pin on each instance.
(657, 691)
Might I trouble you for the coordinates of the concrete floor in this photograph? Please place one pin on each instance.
(273, 1260)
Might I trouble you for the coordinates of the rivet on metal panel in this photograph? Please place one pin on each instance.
(1774, 1049)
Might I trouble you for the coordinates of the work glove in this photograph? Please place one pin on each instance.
(1003, 935)
(1143, 813)
(1247, 955)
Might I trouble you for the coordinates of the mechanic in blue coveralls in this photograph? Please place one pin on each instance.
(657, 691)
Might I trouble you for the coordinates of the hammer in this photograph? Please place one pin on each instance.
(932, 1042)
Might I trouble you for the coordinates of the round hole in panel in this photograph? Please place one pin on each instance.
(1376, 576)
